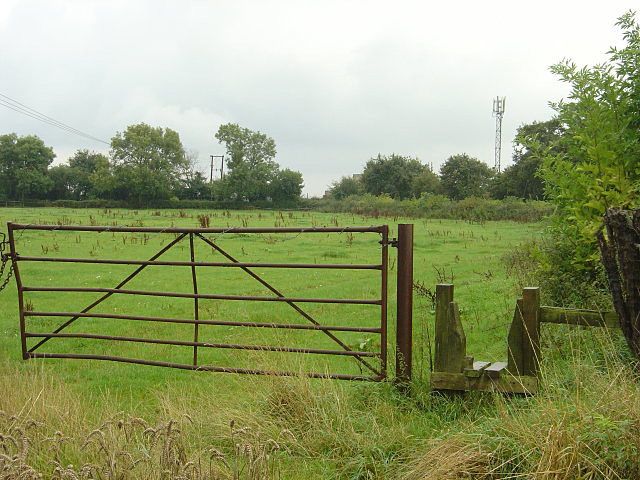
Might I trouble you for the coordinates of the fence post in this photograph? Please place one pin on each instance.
(524, 334)
(515, 359)
(404, 303)
(531, 323)
(450, 342)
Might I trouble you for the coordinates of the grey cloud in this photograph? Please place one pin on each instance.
(334, 83)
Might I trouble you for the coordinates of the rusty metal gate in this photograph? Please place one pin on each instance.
(372, 364)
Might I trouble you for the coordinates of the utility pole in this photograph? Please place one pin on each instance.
(498, 112)
(221, 157)
(211, 172)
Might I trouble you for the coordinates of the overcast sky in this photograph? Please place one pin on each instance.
(333, 82)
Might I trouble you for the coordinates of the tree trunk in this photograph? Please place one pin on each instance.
(621, 259)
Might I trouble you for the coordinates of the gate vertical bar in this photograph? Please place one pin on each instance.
(383, 296)
(195, 300)
(405, 303)
(16, 275)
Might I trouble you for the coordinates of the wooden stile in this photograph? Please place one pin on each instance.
(519, 374)
(455, 371)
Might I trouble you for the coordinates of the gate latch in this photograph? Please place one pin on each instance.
(393, 242)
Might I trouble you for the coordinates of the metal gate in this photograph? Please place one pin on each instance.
(372, 364)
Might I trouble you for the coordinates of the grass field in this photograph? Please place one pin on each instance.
(445, 251)
(317, 428)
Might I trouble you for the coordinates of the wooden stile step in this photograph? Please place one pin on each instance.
(507, 383)
(476, 370)
(494, 370)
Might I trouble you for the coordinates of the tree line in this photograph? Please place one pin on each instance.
(461, 176)
(147, 165)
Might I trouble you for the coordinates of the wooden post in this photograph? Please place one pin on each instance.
(450, 349)
(523, 353)
(531, 324)
(515, 362)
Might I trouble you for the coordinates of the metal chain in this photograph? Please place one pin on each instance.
(5, 259)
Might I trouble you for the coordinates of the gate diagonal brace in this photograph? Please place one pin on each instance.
(293, 305)
(107, 295)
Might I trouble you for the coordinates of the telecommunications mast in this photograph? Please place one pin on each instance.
(498, 111)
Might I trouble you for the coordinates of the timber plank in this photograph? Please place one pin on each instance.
(476, 370)
(575, 316)
(493, 370)
(505, 384)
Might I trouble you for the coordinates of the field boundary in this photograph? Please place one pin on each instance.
(364, 358)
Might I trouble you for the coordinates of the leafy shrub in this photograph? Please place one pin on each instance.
(473, 209)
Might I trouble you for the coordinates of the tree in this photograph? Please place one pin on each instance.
(425, 182)
(62, 182)
(462, 176)
(83, 165)
(346, 187)
(621, 257)
(23, 167)
(598, 165)
(192, 183)
(251, 163)
(521, 179)
(594, 181)
(147, 162)
(286, 186)
(391, 175)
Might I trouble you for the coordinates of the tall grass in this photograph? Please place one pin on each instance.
(583, 424)
(98, 420)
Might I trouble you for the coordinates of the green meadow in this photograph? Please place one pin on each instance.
(468, 255)
(121, 420)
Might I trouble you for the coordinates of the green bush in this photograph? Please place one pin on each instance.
(473, 209)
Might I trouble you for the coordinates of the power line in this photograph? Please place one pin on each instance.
(26, 110)
(16, 106)
(16, 109)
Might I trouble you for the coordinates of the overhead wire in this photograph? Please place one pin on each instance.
(16, 106)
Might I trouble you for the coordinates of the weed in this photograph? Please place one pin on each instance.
(349, 238)
(442, 276)
(204, 220)
(421, 290)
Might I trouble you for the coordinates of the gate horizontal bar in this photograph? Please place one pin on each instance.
(341, 266)
(207, 368)
(265, 348)
(202, 295)
(106, 228)
(292, 326)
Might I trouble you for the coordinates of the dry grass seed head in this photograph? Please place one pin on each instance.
(449, 459)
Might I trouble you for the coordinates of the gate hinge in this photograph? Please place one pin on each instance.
(393, 242)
